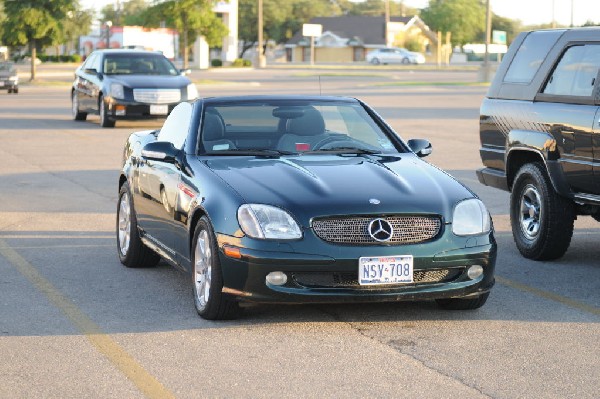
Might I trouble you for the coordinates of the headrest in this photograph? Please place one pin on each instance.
(213, 128)
(309, 124)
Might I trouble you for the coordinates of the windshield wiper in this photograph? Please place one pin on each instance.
(345, 150)
(259, 152)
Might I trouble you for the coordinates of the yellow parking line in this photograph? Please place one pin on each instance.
(145, 382)
(549, 295)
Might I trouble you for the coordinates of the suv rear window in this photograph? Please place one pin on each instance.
(530, 56)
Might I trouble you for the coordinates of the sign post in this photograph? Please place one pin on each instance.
(312, 30)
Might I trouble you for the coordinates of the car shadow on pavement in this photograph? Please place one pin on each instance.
(83, 267)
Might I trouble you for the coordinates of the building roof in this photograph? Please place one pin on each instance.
(367, 29)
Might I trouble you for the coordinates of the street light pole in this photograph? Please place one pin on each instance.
(108, 25)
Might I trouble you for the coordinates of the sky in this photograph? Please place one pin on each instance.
(529, 11)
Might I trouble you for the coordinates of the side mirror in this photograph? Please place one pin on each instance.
(420, 147)
(184, 72)
(160, 151)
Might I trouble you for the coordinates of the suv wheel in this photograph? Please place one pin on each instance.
(541, 220)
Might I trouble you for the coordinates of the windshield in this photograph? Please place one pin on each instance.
(291, 128)
(6, 66)
(138, 64)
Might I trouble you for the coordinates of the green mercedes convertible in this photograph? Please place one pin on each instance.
(293, 199)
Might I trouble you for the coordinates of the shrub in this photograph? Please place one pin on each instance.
(240, 62)
(215, 62)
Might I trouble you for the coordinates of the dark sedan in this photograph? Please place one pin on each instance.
(298, 200)
(128, 84)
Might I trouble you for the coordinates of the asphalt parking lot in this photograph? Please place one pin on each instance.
(75, 323)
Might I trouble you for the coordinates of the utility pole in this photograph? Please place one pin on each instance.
(387, 22)
(553, 14)
(572, 8)
(488, 36)
(259, 56)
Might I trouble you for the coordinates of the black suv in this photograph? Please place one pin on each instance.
(540, 136)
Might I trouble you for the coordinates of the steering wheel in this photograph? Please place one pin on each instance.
(340, 140)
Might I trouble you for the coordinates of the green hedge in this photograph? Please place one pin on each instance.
(215, 62)
(239, 62)
(76, 58)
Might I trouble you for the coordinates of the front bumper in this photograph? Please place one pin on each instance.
(323, 279)
(6, 84)
(133, 110)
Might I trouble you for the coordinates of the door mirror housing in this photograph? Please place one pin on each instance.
(160, 151)
(421, 147)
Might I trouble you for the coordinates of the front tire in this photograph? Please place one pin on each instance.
(210, 302)
(132, 251)
(77, 115)
(375, 61)
(541, 220)
(463, 303)
(105, 121)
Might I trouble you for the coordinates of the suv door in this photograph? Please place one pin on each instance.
(566, 102)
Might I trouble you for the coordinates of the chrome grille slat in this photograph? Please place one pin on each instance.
(354, 230)
(157, 96)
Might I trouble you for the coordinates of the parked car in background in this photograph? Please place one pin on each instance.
(128, 84)
(9, 80)
(540, 136)
(294, 199)
(391, 55)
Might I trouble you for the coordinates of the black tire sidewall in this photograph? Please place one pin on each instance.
(527, 177)
(126, 259)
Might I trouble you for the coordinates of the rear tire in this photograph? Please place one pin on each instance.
(463, 303)
(375, 61)
(105, 121)
(541, 220)
(207, 277)
(132, 251)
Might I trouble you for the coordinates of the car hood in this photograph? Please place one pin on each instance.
(150, 81)
(322, 185)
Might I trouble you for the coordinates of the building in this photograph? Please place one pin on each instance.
(349, 38)
(159, 39)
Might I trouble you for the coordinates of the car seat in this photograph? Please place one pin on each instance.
(213, 133)
(307, 129)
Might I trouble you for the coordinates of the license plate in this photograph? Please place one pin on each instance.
(385, 270)
(159, 109)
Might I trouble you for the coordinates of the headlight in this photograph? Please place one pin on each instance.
(116, 90)
(192, 91)
(267, 222)
(14, 78)
(470, 217)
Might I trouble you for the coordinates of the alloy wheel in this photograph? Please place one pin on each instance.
(530, 213)
(124, 224)
(202, 268)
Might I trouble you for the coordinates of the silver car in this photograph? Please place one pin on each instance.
(9, 80)
(390, 55)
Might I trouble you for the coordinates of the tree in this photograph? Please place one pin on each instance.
(76, 24)
(281, 19)
(130, 13)
(464, 18)
(191, 18)
(377, 8)
(36, 23)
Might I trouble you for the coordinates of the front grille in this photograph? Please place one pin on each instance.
(354, 230)
(350, 280)
(157, 96)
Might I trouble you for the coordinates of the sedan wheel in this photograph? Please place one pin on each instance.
(209, 299)
(375, 61)
(131, 250)
(77, 115)
(105, 121)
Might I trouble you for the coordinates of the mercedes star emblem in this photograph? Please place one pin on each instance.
(381, 230)
(374, 201)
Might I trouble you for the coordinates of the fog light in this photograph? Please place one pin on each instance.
(120, 110)
(475, 271)
(277, 278)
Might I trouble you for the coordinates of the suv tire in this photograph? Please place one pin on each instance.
(541, 220)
